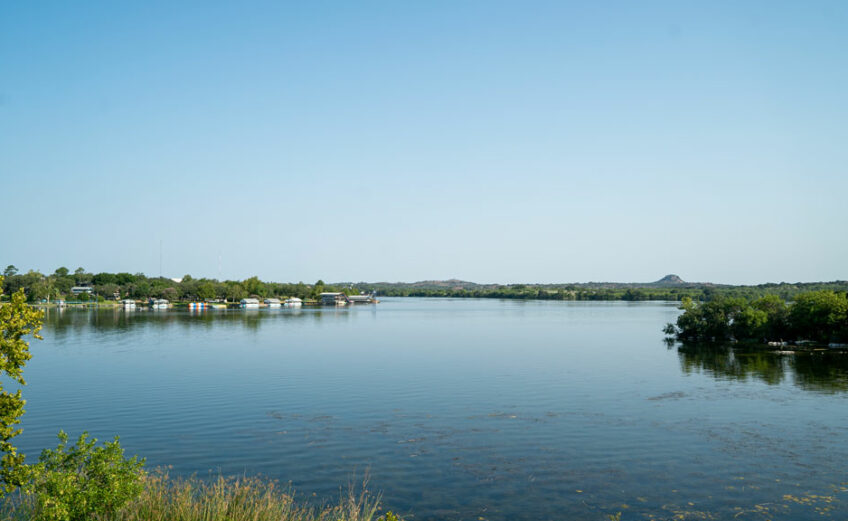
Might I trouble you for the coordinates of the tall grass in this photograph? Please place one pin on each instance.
(223, 499)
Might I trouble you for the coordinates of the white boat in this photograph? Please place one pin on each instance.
(249, 303)
(128, 303)
(292, 302)
(272, 302)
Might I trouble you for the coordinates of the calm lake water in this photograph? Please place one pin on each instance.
(459, 409)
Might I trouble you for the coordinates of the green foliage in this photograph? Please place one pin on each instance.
(163, 498)
(816, 315)
(254, 287)
(317, 289)
(235, 292)
(206, 291)
(83, 481)
(820, 316)
(138, 286)
(17, 321)
(389, 516)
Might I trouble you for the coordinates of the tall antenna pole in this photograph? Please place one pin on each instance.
(160, 258)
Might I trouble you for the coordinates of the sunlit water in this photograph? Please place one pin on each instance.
(458, 409)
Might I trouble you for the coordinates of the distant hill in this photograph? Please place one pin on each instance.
(452, 284)
(668, 284)
(457, 284)
(670, 280)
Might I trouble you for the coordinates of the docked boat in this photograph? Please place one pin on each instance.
(128, 303)
(361, 299)
(197, 306)
(249, 303)
(272, 302)
(293, 302)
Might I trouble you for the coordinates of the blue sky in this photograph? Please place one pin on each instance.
(488, 141)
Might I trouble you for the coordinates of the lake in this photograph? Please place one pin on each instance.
(457, 409)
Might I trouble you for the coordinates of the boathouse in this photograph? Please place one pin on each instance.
(333, 299)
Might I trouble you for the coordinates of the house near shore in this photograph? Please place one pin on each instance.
(79, 290)
(333, 299)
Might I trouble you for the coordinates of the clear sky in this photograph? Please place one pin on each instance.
(488, 141)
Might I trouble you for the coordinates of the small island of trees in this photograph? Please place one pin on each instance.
(816, 316)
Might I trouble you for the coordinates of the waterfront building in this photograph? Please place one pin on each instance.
(333, 299)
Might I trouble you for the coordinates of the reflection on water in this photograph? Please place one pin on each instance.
(460, 409)
(62, 321)
(819, 370)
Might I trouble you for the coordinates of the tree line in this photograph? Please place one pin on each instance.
(104, 286)
(648, 292)
(57, 285)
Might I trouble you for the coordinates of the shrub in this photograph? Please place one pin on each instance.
(83, 481)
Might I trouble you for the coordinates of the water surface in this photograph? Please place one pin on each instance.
(458, 409)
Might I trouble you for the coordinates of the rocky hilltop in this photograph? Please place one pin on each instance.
(670, 280)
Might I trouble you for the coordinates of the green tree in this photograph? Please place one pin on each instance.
(206, 291)
(108, 290)
(82, 277)
(750, 324)
(61, 272)
(819, 315)
(777, 323)
(235, 292)
(254, 286)
(41, 289)
(17, 321)
(317, 289)
(10, 271)
(140, 289)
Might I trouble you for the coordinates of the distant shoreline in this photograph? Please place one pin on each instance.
(83, 286)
